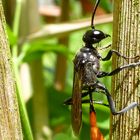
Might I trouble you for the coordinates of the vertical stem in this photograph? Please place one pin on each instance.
(61, 65)
(126, 84)
(23, 113)
(30, 22)
(39, 100)
(10, 123)
(9, 7)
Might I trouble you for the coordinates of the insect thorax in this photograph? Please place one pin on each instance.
(87, 63)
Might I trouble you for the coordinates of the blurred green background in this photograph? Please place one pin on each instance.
(44, 65)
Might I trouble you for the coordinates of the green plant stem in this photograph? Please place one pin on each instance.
(23, 114)
(27, 132)
(16, 25)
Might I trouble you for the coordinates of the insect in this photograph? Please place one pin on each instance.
(86, 74)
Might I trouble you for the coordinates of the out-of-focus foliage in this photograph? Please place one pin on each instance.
(106, 5)
(60, 115)
(12, 38)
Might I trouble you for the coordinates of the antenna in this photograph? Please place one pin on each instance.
(93, 14)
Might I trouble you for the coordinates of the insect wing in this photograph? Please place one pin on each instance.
(76, 108)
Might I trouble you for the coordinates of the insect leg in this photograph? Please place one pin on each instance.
(95, 102)
(110, 53)
(117, 70)
(69, 100)
(104, 47)
(111, 102)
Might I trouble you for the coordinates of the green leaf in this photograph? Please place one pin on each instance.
(35, 50)
(106, 5)
(61, 136)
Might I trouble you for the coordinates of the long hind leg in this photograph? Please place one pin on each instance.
(111, 102)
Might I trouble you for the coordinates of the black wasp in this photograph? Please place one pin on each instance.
(86, 72)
